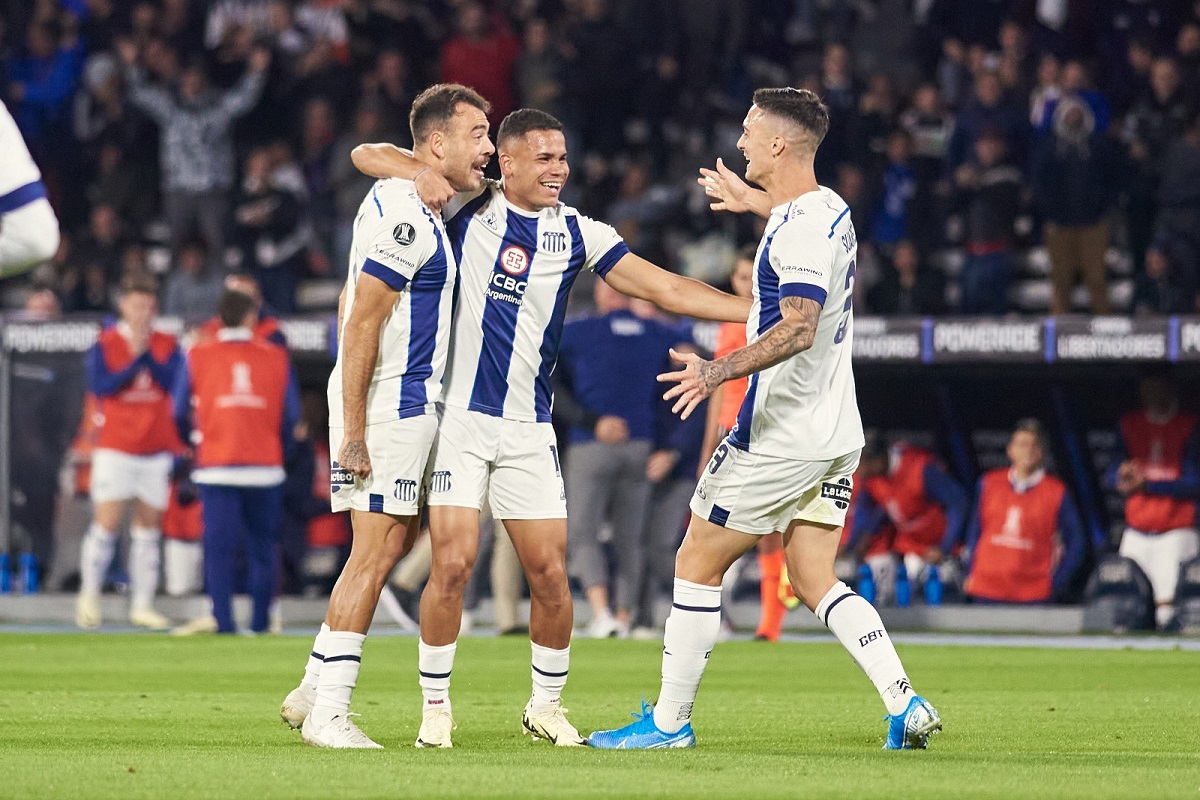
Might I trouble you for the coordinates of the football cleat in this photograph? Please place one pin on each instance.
(911, 730)
(87, 611)
(149, 619)
(642, 734)
(298, 705)
(436, 726)
(341, 734)
(199, 625)
(549, 722)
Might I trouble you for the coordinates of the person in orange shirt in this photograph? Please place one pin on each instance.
(131, 370)
(239, 395)
(1158, 472)
(775, 592)
(1025, 537)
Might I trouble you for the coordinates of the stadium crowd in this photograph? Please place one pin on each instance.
(979, 144)
(993, 142)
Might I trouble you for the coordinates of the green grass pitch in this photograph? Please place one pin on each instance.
(136, 716)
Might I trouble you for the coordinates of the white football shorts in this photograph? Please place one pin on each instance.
(118, 476)
(760, 494)
(1160, 555)
(399, 451)
(513, 465)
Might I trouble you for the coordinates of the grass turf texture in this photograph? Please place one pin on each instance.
(137, 716)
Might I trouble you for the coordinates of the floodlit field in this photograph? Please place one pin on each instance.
(138, 716)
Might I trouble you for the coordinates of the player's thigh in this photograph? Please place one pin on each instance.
(454, 542)
(381, 538)
(708, 551)
(526, 480)
(810, 550)
(399, 451)
(460, 460)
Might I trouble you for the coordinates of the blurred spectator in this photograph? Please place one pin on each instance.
(600, 77)
(989, 194)
(1130, 80)
(1165, 288)
(196, 150)
(131, 371)
(349, 186)
(1025, 537)
(640, 211)
(1157, 470)
(482, 56)
(907, 488)
(1046, 90)
(1155, 121)
(890, 223)
(229, 18)
(609, 365)
(318, 137)
(122, 185)
(41, 82)
(1076, 84)
(193, 289)
(104, 241)
(539, 71)
(271, 229)
(390, 88)
(1178, 220)
(988, 110)
(1076, 180)
(909, 288)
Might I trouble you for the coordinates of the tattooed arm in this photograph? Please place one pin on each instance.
(791, 335)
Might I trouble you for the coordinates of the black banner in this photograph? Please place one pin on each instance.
(896, 340)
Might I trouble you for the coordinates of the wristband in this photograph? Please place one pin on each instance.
(419, 174)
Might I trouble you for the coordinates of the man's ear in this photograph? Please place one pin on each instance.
(437, 144)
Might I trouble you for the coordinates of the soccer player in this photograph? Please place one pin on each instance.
(394, 321)
(1158, 472)
(28, 227)
(787, 466)
(521, 251)
(239, 395)
(131, 369)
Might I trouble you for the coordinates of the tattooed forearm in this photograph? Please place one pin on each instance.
(791, 335)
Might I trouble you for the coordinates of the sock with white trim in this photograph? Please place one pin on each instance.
(145, 556)
(434, 665)
(95, 557)
(549, 673)
(339, 675)
(312, 670)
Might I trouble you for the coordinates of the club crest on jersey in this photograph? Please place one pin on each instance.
(838, 492)
(339, 476)
(404, 234)
(514, 260)
(554, 241)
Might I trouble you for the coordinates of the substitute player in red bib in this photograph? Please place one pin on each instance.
(1159, 475)
(239, 396)
(131, 370)
(1025, 537)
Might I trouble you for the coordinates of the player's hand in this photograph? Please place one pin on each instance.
(726, 191)
(353, 457)
(1130, 478)
(611, 430)
(434, 190)
(659, 465)
(697, 380)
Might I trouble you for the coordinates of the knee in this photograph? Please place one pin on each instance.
(548, 580)
(811, 585)
(451, 571)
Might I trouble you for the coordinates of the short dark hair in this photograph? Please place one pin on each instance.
(139, 283)
(1034, 426)
(233, 307)
(526, 120)
(800, 106)
(437, 105)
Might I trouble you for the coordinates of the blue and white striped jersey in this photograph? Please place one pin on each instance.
(805, 407)
(398, 241)
(517, 269)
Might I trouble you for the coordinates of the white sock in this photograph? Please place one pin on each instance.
(339, 675)
(434, 665)
(1163, 614)
(95, 557)
(312, 670)
(144, 559)
(549, 673)
(691, 631)
(858, 627)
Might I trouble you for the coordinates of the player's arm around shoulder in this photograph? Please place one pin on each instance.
(384, 160)
(635, 276)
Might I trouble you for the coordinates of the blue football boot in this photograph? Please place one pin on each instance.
(642, 734)
(911, 730)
